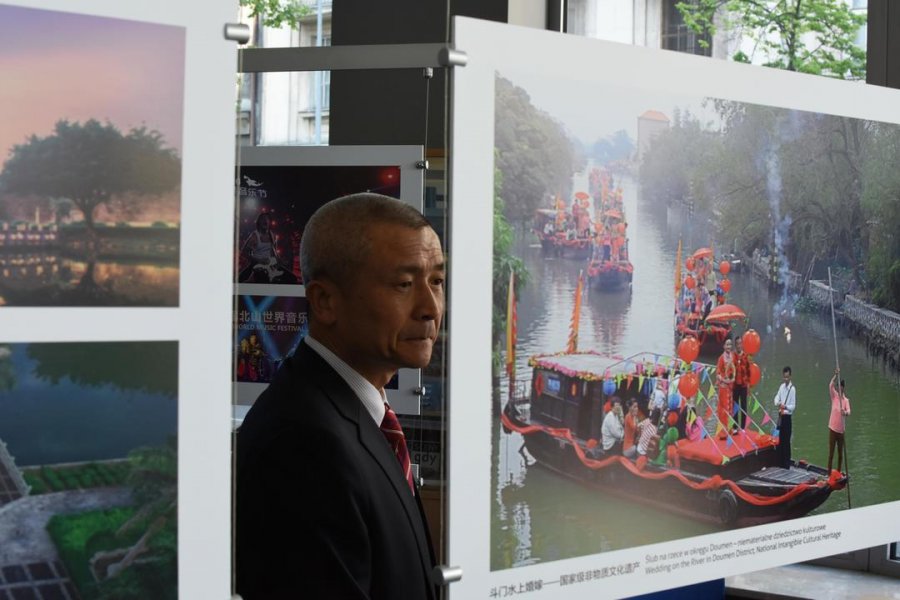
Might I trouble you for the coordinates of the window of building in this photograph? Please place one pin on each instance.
(676, 35)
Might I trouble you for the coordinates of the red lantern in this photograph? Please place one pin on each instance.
(755, 374)
(751, 341)
(724, 267)
(725, 284)
(689, 263)
(688, 349)
(690, 282)
(688, 384)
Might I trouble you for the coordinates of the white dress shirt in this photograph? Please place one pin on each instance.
(787, 397)
(371, 397)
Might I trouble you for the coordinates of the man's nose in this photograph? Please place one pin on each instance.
(430, 303)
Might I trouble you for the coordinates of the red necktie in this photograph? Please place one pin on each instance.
(390, 427)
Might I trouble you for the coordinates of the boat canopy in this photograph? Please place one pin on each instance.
(586, 365)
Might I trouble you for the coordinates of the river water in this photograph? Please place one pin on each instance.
(539, 516)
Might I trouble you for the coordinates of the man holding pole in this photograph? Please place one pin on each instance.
(840, 409)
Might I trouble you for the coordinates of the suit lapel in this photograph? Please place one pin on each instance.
(316, 370)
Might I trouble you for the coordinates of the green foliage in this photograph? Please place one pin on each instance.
(618, 146)
(673, 170)
(7, 372)
(533, 152)
(154, 472)
(278, 13)
(71, 534)
(810, 36)
(832, 176)
(55, 479)
(887, 292)
(33, 479)
(505, 262)
(92, 164)
(147, 366)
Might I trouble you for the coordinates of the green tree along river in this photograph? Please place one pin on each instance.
(540, 516)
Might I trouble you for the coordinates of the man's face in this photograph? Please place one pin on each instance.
(739, 345)
(390, 313)
(786, 375)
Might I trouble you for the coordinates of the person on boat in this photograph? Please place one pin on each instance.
(725, 374)
(658, 400)
(786, 403)
(632, 428)
(649, 440)
(693, 429)
(741, 381)
(668, 453)
(612, 431)
(706, 301)
(840, 408)
(549, 228)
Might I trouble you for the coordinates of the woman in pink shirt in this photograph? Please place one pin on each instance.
(840, 408)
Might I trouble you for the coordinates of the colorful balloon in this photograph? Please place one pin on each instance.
(688, 349)
(751, 341)
(690, 282)
(724, 267)
(674, 400)
(755, 374)
(689, 263)
(688, 384)
(609, 386)
(672, 419)
(725, 284)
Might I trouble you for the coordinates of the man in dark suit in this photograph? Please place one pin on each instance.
(323, 506)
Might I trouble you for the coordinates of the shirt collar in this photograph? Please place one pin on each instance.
(372, 398)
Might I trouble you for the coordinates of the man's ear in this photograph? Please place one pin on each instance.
(322, 298)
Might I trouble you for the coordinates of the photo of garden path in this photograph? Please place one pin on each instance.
(88, 470)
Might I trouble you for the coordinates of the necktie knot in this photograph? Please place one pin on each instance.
(393, 433)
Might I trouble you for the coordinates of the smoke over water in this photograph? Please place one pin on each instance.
(780, 230)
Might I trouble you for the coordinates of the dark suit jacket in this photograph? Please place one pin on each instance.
(322, 507)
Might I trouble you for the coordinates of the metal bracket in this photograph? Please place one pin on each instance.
(421, 164)
(444, 575)
(237, 32)
(362, 57)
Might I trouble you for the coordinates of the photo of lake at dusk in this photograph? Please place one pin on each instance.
(90, 167)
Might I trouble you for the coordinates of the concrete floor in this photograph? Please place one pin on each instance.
(813, 583)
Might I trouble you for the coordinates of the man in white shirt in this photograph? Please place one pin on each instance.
(612, 431)
(786, 402)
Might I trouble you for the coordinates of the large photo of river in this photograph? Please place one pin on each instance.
(669, 257)
(89, 470)
(90, 160)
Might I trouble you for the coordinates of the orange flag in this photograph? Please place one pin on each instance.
(572, 346)
(511, 329)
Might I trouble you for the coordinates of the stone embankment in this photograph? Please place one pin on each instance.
(879, 327)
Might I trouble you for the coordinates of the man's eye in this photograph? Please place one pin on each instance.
(404, 284)
(437, 281)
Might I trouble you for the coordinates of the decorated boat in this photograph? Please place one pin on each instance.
(563, 233)
(727, 477)
(702, 309)
(609, 267)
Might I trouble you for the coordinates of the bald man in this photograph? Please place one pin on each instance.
(326, 506)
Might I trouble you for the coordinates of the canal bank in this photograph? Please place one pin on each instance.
(877, 327)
